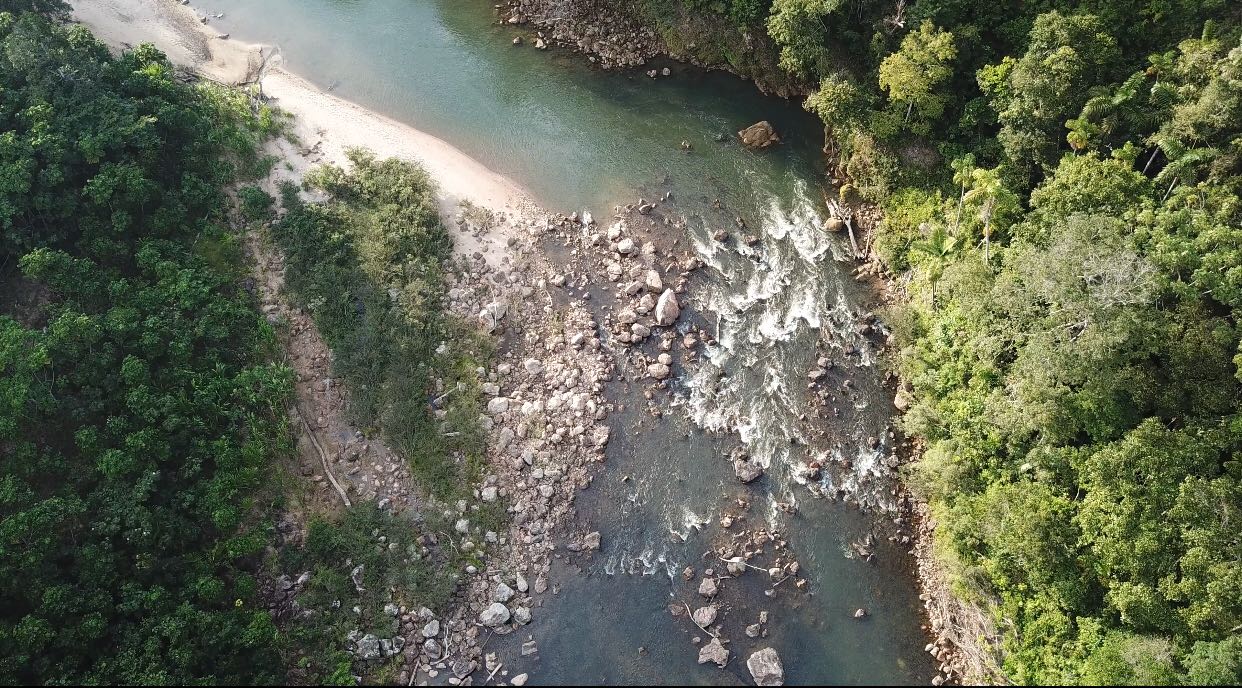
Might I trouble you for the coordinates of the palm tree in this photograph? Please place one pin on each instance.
(939, 247)
(963, 173)
(990, 191)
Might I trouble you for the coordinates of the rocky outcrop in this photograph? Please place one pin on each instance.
(759, 135)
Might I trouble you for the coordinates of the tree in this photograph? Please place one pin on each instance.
(939, 247)
(912, 75)
(1065, 57)
(798, 27)
(993, 199)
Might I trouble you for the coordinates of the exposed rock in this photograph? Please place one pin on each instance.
(903, 400)
(519, 680)
(705, 616)
(714, 652)
(488, 494)
(667, 309)
(759, 135)
(625, 246)
(502, 593)
(432, 629)
(659, 371)
(708, 587)
(600, 435)
(746, 470)
(368, 647)
(591, 541)
(497, 405)
(765, 667)
(521, 615)
(835, 224)
(495, 615)
(653, 281)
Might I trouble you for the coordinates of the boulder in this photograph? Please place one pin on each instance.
(903, 400)
(495, 615)
(368, 647)
(591, 541)
(759, 135)
(714, 652)
(432, 629)
(708, 587)
(746, 470)
(667, 309)
(835, 224)
(503, 593)
(765, 667)
(704, 616)
(659, 371)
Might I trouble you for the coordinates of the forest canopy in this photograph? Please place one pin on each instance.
(140, 409)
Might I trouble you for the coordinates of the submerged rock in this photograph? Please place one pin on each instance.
(765, 666)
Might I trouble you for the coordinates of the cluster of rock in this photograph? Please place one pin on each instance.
(545, 416)
(609, 37)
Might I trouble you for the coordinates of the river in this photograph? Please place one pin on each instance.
(580, 139)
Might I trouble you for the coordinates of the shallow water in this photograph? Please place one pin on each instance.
(577, 138)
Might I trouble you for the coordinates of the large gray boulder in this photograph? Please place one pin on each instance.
(765, 666)
(495, 615)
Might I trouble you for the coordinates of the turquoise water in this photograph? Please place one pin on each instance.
(577, 138)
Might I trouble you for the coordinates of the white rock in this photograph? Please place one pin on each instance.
(667, 309)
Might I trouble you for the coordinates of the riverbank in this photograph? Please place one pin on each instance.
(633, 36)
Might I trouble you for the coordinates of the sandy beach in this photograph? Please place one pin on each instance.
(324, 126)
